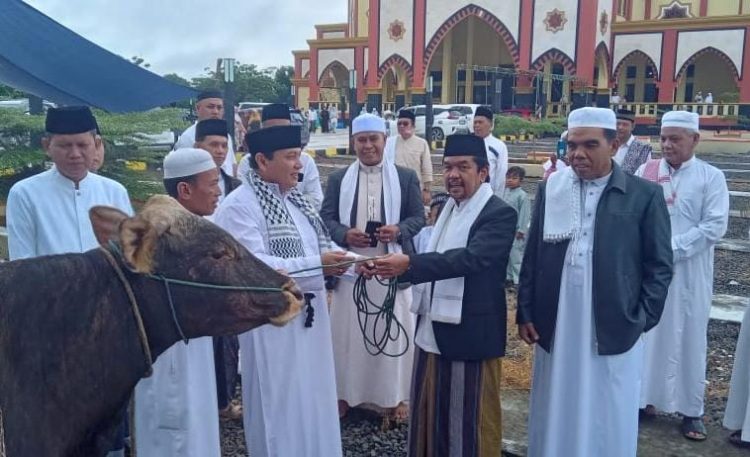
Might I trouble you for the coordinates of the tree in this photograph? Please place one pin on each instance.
(283, 81)
(140, 61)
(177, 79)
(9, 92)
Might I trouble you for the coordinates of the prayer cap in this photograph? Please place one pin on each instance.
(407, 114)
(368, 123)
(275, 138)
(682, 119)
(626, 115)
(275, 111)
(70, 120)
(185, 162)
(464, 145)
(439, 199)
(210, 93)
(484, 111)
(211, 127)
(602, 118)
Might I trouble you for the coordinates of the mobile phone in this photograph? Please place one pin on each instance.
(371, 229)
(562, 149)
(300, 177)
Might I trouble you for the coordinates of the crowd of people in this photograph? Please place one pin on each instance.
(619, 323)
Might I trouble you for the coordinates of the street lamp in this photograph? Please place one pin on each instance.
(227, 65)
(352, 105)
(293, 91)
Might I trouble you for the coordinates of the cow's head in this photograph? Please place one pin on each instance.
(165, 239)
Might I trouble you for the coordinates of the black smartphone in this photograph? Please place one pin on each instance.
(371, 229)
(300, 177)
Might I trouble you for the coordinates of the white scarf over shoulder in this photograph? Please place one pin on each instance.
(391, 197)
(446, 303)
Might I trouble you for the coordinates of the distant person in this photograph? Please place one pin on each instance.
(632, 153)
(698, 97)
(518, 199)
(410, 151)
(615, 98)
(334, 114)
(210, 105)
(674, 376)
(557, 160)
(313, 120)
(98, 160)
(709, 98)
(497, 151)
(325, 119)
(212, 135)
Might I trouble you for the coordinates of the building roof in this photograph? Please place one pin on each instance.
(41, 57)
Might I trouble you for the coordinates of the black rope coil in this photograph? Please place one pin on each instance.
(377, 322)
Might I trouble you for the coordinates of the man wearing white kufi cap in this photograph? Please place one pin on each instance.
(373, 207)
(175, 408)
(586, 296)
(698, 201)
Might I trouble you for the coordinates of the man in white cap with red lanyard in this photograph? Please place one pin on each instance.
(674, 377)
(587, 296)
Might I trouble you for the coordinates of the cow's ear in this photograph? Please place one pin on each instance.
(106, 223)
(138, 238)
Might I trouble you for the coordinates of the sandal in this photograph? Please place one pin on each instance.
(736, 439)
(647, 413)
(693, 428)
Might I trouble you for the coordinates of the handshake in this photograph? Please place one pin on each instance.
(336, 263)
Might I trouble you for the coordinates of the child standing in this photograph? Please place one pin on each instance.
(518, 199)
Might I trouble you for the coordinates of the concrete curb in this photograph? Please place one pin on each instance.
(327, 152)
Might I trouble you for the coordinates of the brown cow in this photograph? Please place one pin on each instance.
(70, 349)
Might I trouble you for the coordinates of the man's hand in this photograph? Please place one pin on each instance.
(520, 236)
(331, 258)
(426, 197)
(366, 269)
(528, 333)
(392, 265)
(356, 238)
(387, 233)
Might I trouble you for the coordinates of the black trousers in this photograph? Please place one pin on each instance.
(226, 360)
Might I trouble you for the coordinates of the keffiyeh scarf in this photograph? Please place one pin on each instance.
(284, 239)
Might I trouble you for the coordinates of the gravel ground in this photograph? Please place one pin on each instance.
(731, 275)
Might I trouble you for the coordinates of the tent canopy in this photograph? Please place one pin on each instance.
(43, 58)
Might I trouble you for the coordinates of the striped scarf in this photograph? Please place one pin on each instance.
(284, 239)
(657, 170)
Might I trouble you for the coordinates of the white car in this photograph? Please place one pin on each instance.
(467, 110)
(445, 121)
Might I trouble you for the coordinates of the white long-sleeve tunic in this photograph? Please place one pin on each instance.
(497, 154)
(288, 381)
(737, 415)
(674, 376)
(48, 215)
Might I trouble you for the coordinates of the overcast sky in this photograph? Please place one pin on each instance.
(185, 36)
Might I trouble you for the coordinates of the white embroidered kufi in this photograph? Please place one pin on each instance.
(602, 118)
(187, 162)
(682, 119)
(368, 123)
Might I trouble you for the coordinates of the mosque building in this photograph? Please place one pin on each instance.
(540, 55)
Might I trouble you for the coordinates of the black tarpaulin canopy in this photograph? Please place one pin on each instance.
(43, 58)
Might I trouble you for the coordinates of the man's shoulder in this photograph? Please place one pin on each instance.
(406, 173)
(641, 186)
(337, 176)
(108, 183)
(639, 144)
(495, 141)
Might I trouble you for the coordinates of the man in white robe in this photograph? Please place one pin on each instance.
(586, 297)
(288, 381)
(497, 151)
(410, 151)
(175, 408)
(674, 377)
(48, 213)
(210, 105)
(737, 414)
(277, 114)
(374, 193)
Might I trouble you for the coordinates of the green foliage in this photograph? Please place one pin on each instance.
(514, 125)
(8, 92)
(251, 83)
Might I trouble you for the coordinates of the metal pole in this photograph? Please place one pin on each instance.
(229, 97)
(353, 109)
(429, 115)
